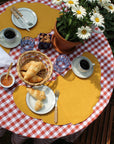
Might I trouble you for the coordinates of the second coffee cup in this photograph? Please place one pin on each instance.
(9, 35)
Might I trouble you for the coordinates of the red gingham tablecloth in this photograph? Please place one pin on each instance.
(15, 120)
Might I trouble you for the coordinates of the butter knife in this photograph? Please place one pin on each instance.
(21, 15)
(20, 20)
(56, 108)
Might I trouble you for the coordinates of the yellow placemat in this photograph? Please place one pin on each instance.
(77, 96)
(45, 14)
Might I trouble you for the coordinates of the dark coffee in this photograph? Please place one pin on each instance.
(9, 34)
(84, 64)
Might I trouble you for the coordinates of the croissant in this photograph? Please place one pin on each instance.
(26, 66)
(37, 94)
(23, 73)
(38, 105)
(34, 68)
(34, 79)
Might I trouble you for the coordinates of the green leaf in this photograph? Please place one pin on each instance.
(70, 21)
(67, 36)
(61, 28)
(59, 23)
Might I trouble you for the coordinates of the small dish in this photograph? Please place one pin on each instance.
(44, 41)
(15, 43)
(27, 44)
(10, 79)
(80, 72)
(61, 63)
(28, 14)
(48, 103)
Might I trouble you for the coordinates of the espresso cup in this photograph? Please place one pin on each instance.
(9, 35)
(85, 64)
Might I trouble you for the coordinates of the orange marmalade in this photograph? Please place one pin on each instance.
(6, 82)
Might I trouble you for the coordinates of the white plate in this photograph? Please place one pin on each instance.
(48, 103)
(77, 72)
(11, 45)
(28, 14)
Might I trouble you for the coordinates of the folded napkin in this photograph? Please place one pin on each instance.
(5, 59)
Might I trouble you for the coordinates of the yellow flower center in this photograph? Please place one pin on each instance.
(78, 12)
(84, 32)
(100, 0)
(71, 2)
(110, 7)
(97, 19)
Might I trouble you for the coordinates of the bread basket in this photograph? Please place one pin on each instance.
(36, 56)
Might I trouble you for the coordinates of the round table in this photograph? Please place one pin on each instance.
(16, 121)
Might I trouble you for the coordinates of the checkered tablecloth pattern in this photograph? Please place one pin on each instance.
(15, 120)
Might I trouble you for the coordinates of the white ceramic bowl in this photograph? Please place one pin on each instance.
(11, 83)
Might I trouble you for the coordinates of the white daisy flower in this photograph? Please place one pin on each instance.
(97, 19)
(96, 10)
(84, 32)
(103, 2)
(91, 0)
(109, 7)
(71, 3)
(57, 2)
(79, 11)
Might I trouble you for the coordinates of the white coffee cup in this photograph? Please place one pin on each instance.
(8, 34)
(85, 64)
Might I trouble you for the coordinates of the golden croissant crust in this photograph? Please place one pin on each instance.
(38, 105)
(26, 66)
(34, 79)
(37, 94)
(34, 68)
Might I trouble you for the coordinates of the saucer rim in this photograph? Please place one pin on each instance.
(30, 11)
(9, 45)
(77, 72)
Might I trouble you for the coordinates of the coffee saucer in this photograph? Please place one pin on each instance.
(77, 71)
(11, 45)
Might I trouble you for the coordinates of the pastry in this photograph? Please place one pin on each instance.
(23, 73)
(34, 79)
(26, 66)
(34, 68)
(38, 105)
(37, 94)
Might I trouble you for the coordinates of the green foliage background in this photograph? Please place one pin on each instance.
(109, 24)
(67, 24)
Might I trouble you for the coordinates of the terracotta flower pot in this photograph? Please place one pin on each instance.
(62, 45)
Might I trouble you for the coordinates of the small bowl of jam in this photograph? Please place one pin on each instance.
(7, 83)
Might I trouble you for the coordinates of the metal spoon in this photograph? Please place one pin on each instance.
(29, 23)
(8, 70)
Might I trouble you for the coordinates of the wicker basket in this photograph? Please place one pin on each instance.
(36, 56)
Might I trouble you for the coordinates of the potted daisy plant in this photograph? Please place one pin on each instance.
(77, 20)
